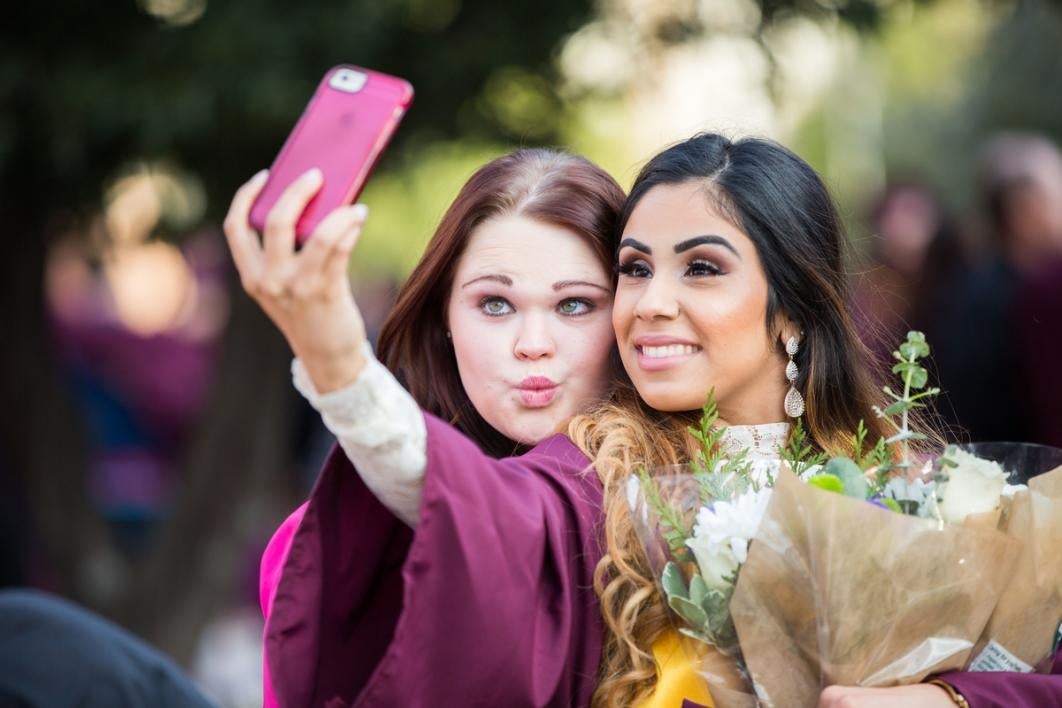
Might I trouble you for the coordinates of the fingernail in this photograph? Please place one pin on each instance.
(260, 176)
(313, 175)
(360, 211)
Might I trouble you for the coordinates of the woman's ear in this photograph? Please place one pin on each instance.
(788, 329)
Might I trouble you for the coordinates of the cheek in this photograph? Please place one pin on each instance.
(622, 312)
(589, 357)
(478, 348)
(599, 343)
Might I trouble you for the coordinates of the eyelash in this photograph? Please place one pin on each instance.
(638, 269)
(630, 269)
(712, 268)
(590, 307)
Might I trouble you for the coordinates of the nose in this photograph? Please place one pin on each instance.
(534, 339)
(657, 302)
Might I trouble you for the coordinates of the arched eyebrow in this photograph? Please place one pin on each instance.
(503, 279)
(562, 284)
(709, 239)
(635, 244)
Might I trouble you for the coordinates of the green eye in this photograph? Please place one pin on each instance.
(495, 306)
(574, 307)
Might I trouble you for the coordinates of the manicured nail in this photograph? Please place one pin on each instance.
(260, 176)
(313, 175)
(360, 211)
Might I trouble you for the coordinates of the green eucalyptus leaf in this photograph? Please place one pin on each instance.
(674, 583)
(688, 611)
(919, 377)
(897, 408)
(915, 347)
(851, 476)
(698, 589)
(827, 482)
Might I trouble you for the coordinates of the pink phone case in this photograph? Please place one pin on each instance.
(342, 132)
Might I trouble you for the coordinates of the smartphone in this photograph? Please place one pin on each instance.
(342, 132)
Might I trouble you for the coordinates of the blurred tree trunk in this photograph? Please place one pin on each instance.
(241, 449)
(233, 463)
(43, 436)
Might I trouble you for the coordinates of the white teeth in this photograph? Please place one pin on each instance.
(669, 351)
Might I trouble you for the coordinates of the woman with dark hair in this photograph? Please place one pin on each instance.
(394, 585)
(732, 278)
(731, 254)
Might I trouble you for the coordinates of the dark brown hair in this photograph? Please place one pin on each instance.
(553, 187)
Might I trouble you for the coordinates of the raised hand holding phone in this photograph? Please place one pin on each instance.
(342, 132)
(306, 293)
(304, 199)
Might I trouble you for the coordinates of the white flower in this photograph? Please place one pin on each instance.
(973, 487)
(1012, 489)
(721, 536)
(917, 490)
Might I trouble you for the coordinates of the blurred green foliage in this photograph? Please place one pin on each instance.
(88, 88)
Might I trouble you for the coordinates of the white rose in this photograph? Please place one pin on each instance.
(717, 564)
(973, 487)
(721, 536)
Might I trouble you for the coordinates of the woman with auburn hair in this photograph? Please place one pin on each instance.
(731, 268)
(422, 569)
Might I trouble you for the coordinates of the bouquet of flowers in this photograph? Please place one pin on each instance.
(696, 522)
(1021, 633)
(866, 570)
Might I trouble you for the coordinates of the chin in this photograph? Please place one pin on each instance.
(673, 401)
(532, 433)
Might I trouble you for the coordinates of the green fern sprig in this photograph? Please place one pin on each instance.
(721, 474)
(798, 453)
(673, 527)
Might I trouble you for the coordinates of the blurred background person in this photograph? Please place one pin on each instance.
(915, 258)
(996, 338)
(1024, 200)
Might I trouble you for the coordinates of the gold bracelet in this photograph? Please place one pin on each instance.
(953, 693)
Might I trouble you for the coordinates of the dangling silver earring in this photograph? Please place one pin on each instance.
(448, 335)
(794, 402)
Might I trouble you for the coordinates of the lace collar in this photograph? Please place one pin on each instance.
(762, 441)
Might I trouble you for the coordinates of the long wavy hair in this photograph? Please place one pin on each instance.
(553, 187)
(779, 201)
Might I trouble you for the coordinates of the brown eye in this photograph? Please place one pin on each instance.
(635, 269)
(701, 269)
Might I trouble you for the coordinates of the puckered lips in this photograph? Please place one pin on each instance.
(537, 391)
(660, 352)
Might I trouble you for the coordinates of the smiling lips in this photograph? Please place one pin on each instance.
(659, 353)
(537, 391)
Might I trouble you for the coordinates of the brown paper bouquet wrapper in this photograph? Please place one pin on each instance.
(838, 591)
(726, 683)
(1027, 616)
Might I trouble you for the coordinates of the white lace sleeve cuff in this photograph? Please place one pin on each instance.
(380, 428)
